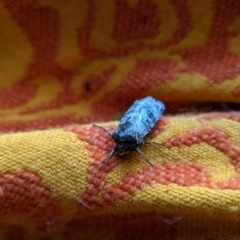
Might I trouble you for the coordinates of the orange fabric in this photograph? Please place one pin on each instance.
(68, 64)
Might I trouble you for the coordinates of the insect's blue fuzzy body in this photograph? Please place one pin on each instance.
(135, 124)
(139, 119)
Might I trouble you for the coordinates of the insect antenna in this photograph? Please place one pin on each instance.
(112, 151)
(106, 161)
(139, 151)
(103, 129)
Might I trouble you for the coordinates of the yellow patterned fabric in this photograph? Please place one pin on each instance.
(68, 64)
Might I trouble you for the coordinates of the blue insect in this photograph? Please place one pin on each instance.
(134, 125)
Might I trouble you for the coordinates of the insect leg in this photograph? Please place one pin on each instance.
(106, 161)
(161, 144)
(103, 129)
(139, 151)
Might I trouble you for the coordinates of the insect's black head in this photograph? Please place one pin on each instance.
(124, 144)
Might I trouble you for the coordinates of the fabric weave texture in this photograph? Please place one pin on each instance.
(68, 64)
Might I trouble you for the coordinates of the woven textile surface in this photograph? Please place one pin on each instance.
(68, 64)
